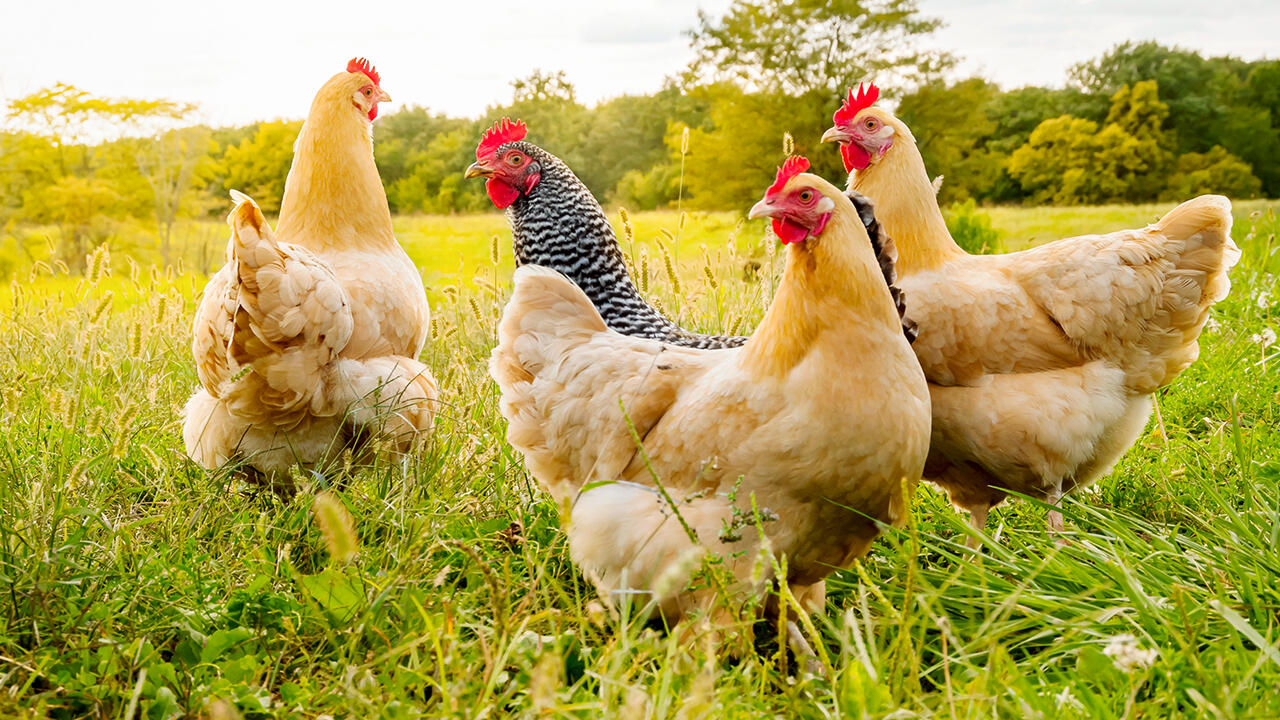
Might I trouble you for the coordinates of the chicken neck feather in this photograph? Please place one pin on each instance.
(333, 197)
(907, 206)
(831, 284)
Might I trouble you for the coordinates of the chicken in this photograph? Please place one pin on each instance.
(557, 223)
(1041, 363)
(828, 459)
(307, 339)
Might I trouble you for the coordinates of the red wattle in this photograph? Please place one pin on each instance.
(500, 193)
(854, 157)
(373, 112)
(789, 232)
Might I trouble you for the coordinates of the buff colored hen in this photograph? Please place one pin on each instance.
(1041, 363)
(827, 458)
(307, 339)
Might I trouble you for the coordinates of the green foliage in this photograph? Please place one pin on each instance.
(258, 165)
(1069, 161)
(651, 190)
(1216, 171)
(798, 47)
(735, 154)
(951, 127)
(1212, 101)
(971, 228)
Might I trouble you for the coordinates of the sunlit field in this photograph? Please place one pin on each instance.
(138, 585)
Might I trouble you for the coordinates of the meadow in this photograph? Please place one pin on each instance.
(138, 585)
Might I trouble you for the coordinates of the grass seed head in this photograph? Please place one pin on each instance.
(495, 255)
(336, 526)
(644, 270)
(98, 264)
(628, 230)
(101, 308)
(672, 276)
(788, 144)
(707, 269)
(75, 477)
(162, 310)
(135, 339)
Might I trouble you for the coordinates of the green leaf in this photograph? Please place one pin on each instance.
(335, 592)
(222, 641)
(165, 705)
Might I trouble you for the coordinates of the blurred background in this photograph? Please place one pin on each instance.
(127, 124)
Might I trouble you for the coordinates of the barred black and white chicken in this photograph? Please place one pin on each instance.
(556, 222)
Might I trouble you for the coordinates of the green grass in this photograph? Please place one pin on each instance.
(136, 585)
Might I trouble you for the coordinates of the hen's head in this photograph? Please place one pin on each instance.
(508, 163)
(865, 132)
(800, 204)
(362, 83)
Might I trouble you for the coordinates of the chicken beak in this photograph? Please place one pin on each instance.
(382, 96)
(764, 208)
(835, 134)
(478, 169)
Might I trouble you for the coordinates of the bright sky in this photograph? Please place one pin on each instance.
(265, 58)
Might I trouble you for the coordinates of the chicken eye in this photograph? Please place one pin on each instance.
(516, 159)
(806, 196)
(368, 92)
(871, 123)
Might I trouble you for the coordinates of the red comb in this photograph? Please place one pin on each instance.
(502, 132)
(865, 98)
(360, 65)
(794, 165)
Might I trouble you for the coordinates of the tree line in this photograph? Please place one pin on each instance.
(1142, 122)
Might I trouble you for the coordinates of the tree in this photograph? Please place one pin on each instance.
(950, 125)
(797, 47)
(1216, 171)
(1069, 161)
(542, 86)
(1254, 130)
(1138, 111)
(734, 155)
(1212, 101)
(66, 118)
(1016, 113)
(259, 165)
(171, 162)
(83, 209)
(626, 136)
(417, 151)
(27, 163)
(435, 183)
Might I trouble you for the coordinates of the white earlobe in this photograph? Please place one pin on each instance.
(826, 205)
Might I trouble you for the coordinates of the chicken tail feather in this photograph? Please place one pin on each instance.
(1197, 235)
